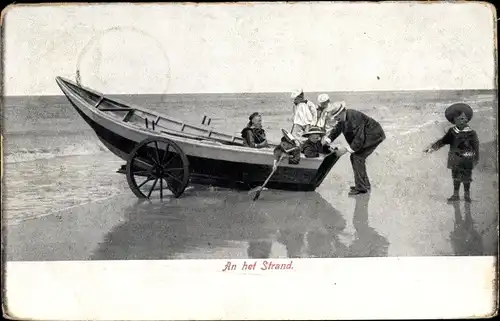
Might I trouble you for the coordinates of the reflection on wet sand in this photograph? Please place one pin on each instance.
(294, 242)
(465, 240)
(367, 242)
(259, 249)
(203, 224)
(228, 224)
(312, 229)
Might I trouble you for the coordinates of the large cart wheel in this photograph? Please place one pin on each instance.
(156, 164)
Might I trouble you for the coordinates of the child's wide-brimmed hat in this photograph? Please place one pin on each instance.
(314, 130)
(456, 110)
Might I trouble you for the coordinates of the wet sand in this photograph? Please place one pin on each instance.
(402, 216)
(406, 214)
(225, 224)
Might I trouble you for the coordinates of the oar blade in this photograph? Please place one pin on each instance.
(256, 191)
(260, 188)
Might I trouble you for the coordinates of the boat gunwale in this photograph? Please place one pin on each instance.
(140, 108)
(208, 143)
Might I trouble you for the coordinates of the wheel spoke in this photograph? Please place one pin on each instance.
(173, 177)
(157, 152)
(152, 158)
(170, 160)
(152, 187)
(142, 163)
(141, 173)
(147, 180)
(161, 188)
(165, 153)
(170, 186)
(173, 169)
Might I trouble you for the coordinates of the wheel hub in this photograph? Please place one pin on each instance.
(158, 171)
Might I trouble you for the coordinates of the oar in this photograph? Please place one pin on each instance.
(257, 194)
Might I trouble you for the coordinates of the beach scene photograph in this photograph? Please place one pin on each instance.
(274, 132)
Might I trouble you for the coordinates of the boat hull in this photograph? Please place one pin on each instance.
(225, 166)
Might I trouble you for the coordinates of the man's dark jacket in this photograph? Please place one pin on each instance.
(360, 131)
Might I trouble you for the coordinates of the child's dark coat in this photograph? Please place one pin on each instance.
(312, 150)
(464, 148)
(293, 156)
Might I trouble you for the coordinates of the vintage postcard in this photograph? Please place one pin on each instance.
(259, 160)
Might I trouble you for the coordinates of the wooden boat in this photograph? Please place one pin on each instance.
(168, 153)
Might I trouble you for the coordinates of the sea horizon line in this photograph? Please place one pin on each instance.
(272, 92)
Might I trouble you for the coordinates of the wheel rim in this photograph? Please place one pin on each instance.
(157, 165)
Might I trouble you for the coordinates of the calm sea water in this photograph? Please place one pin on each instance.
(53, 160)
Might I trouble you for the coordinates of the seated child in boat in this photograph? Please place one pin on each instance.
(313, 146)
(253, 134)
(463, 155)
(289, 146)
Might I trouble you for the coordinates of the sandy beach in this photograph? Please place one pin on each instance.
(406, 214)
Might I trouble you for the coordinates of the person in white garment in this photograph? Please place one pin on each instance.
(304, 114)
(324, 113)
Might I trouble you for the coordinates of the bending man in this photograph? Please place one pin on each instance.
(363, 134)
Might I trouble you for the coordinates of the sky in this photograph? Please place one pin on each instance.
(258, 47)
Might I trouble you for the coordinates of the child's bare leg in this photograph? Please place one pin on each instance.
(456, 190)
(467, 191)
(467, 179)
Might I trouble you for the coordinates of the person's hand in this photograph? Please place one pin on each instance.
(429, 149)
(335, 147)
(338, 150)
(341, 151)
(275, 165)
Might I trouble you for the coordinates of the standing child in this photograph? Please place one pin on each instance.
(463, 155)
